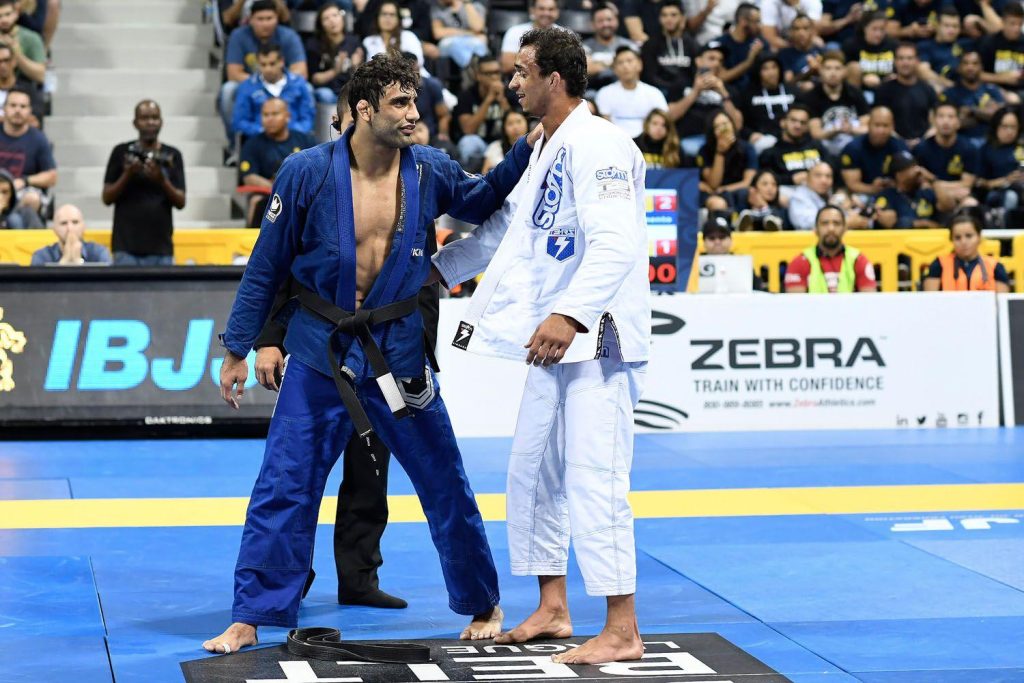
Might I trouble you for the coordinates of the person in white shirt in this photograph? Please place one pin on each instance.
(777, 15)
(543, 13)
(390, 37)
(628, 101)
(566, 290)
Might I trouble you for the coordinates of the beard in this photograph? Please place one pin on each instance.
(830, 242)
(389, 135)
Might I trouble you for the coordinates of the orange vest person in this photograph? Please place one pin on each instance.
(964, 269)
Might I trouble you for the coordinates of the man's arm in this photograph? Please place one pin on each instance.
(464, 259)
(474, 198)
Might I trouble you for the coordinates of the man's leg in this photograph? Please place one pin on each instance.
(537, 512)
(425, 446)
(600, 398)
(362, 516)
(307, 432)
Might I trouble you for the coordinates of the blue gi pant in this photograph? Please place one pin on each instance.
(308, 432)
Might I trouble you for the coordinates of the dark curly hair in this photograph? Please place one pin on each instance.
(558, 50)
(371, 80)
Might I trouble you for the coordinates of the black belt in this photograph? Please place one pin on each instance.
(358, 324)
(326, 644)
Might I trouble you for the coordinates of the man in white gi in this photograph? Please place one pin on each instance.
(566, 289)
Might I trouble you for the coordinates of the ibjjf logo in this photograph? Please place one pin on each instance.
(461, 340)
(562, 244)
(10, 340)
(551, 197)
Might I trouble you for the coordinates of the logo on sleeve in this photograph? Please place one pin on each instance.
(274, 210)
(612, 183)
(562, 244)
(461, 340)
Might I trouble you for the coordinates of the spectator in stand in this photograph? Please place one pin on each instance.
(949, 162)
(1001, 162)
(627, 102)
(866, 160)
(669, 56)
(71, 248)
(976, 101)
(801, 61)
(726, 162)
(1002, 54)
(389, 36)
(145, 179)
(414, 16)
(10, 79)
(271, 80)
(640, 19)
(830, 267)
(243, 46)
(460, 30)
(13, 217)
(797, 152)
(761, 206)
(741, 44)
(910, 99)
(41, 16)
(717, 234)
(965, 269)
(543, 13)
(264, 152)
(602, 46)
(806, 200)
(839, 19)
(870, 55)
(235, 13)
(980, 18)
(480, 111)
(434, 112)
(28, 47)
(513, 126)
(699, 103)
(25, 153)
(838, 110)
(915, 20)
(778, 17)
(331, 54)
(940, 55)
(765, 103)
(908, 203)
(659, 142)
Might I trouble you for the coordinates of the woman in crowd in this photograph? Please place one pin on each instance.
(1001, 167)
(964, 269)
(659, 142)
(726, 163)
(390, 37)
(10, 217)
(870, 55)
(513, 127)
(331, 54)
(760, 206)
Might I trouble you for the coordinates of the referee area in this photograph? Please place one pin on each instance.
(878, 556)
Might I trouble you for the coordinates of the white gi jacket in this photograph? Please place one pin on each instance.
(571, 238)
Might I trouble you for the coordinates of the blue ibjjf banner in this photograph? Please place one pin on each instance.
(672, 201)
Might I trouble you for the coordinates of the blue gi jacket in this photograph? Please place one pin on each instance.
(309, 229)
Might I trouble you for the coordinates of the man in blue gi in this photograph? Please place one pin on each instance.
(349, 221)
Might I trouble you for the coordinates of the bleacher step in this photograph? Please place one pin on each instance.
(118, 128)
(171, 104)
(73, 154)
(151, 34)
(116, 56)
(197, 207)
(205, 179)
(132, 12)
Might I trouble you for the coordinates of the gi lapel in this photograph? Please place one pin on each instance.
(346, 291)
(392, 276)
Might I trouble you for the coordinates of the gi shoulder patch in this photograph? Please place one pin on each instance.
(274, 208)
(612, 183)
(462, 337)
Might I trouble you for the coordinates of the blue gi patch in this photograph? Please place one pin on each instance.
(551, 195)
(562, 243)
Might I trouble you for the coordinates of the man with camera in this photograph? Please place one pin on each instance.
(145, 179)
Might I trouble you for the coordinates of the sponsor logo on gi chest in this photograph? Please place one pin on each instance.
(551, 198)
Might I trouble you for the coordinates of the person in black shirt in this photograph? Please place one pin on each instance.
(331, 54)
(801, 60)
(696, 105)
(1001, 161)
(669, 57)
(797, 152)
(726, 163)
(908, 97)
(742, 44)
(765, 102)
(479, 113)
(949, 162)
(871, 54)
(145, 179)
(839, 111)
(1002, 54)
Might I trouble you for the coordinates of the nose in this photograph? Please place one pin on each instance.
(413, 114)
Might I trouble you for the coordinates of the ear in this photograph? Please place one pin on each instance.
(363, 110)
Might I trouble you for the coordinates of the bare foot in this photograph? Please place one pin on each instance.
(610, 645)
(234, 639)
(484, 626)
(543, 623)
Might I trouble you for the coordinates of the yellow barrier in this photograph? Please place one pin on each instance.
(769, 250)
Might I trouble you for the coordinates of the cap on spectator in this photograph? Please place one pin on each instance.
(902, 161)
(713, 45)
(718, 223)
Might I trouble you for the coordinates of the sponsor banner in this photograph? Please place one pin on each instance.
(1011, 357)
(761, 362)
(671, 204)
(103, 347)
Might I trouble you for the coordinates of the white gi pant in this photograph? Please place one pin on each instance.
(568, 473)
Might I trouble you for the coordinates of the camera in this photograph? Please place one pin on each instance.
(135, 152)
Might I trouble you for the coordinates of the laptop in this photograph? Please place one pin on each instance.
(732, 274)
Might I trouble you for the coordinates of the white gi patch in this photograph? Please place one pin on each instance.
(418, 392)
(612, 183)
(417, 252)
(274, 209)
